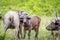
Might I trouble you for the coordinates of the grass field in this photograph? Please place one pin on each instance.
(43, 33)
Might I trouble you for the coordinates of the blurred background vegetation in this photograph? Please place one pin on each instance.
(46, 9)
(38, 7)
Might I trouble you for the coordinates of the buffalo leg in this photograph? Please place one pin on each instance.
(5, 28)
(24, 34)
(20, 31)
(53, 34)
(17, 33)
(36, 35)
(29, 34)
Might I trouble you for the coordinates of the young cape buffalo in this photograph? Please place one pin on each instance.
(31, 23)
(12, 21)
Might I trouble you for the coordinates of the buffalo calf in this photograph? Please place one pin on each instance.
(31, 23)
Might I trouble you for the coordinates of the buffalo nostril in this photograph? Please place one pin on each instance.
(24, 22)
(46, 28)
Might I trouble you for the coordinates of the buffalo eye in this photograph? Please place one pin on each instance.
(21, 18)
(28, 18)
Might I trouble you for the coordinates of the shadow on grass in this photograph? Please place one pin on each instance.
(2, 37)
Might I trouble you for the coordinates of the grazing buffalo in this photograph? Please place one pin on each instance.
(12, 21)
(30, 23)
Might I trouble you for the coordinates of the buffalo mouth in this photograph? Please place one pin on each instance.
(26, 25)
(54, 29)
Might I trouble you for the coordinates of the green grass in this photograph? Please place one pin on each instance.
(38, 7)
(43, 33)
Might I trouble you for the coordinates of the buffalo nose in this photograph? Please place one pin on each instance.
(47, 28)
(24, 22)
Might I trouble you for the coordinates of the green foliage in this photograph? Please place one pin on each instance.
(38, 7)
